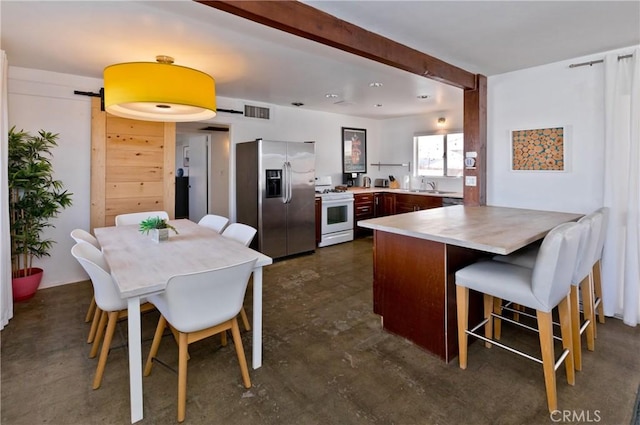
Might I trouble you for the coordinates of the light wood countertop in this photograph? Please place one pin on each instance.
(498, 230)
(445, 194)
(360, 190)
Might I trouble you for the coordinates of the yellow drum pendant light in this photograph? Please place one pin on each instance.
(159, 91)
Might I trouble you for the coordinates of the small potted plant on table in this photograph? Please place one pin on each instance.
(158, 227)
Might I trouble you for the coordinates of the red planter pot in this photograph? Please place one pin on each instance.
(25, 287)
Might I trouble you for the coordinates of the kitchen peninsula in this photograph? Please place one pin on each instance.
(417, 254)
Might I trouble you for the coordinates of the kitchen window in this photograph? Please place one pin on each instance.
(439, 154)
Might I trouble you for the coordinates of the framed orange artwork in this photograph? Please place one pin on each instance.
(541, 149)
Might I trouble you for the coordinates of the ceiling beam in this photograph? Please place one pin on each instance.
(313, 24)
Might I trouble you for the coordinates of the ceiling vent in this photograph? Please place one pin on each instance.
(256, 112)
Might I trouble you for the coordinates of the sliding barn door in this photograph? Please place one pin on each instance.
(132, 166)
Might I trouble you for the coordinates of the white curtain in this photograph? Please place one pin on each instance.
(6, 297)
(621, 256)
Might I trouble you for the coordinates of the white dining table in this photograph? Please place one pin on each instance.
(141, 267)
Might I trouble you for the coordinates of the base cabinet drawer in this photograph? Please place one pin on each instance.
(363, 209)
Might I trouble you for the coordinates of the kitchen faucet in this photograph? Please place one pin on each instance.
(434, 185)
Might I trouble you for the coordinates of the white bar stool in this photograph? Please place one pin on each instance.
(542, 288)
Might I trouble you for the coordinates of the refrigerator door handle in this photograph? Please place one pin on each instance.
(285, 184)
(289, 182)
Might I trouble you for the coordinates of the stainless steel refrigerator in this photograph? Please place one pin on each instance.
(275, 193)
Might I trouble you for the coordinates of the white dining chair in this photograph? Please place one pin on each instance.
(93, 313)
(107, 298)
(80, 235)
(240, 232)
(197, 306)
(215, 222)
(244, 234)
(542, 289)
(136, 218)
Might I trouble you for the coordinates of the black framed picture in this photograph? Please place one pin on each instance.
(354, 150)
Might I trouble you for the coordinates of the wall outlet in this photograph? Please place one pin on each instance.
(470, 181)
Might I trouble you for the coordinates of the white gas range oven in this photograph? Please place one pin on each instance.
(337, 213)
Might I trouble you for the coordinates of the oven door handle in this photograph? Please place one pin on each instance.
(336, 201)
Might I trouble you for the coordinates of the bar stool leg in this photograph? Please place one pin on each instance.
(497, 324)
(575, 327)
(488, 327)
(462, 301)
(565, 330)
(597, 287)
(586, 289)
(548, 358)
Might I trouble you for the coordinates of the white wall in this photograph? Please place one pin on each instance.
(45, 100)
(296, 125)
(548, 96)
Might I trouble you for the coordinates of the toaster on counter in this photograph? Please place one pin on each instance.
(381, 183)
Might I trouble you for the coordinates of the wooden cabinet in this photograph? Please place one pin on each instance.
(363, 209)
(408, 203)
(380, 204)
(385, 204)
(318, 219)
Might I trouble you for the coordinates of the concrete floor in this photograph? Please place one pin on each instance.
(326, 361)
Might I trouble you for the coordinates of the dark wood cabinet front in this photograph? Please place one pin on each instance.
(409, 203)
(363, 209)
(380, 204)
(385, 204)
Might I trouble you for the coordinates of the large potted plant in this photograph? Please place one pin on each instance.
(34, 199)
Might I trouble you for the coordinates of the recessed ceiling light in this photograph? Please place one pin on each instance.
(375, 84)
(330, 95)
(423, 96)
(297, 103)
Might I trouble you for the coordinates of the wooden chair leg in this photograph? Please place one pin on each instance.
(99, 333)
(488, 327)
(564, 310)
(462, 301)
(497, 323)
(242, 360)
(548, 359)
(597, 288)
(245, 319)
(155, 345)
(182, 376)
(91, 310)
(94, 324)
(586, 289)
(516, 307)
(106, 345)
(575, 327)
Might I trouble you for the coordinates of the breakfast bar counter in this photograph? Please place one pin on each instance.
(417, 254)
